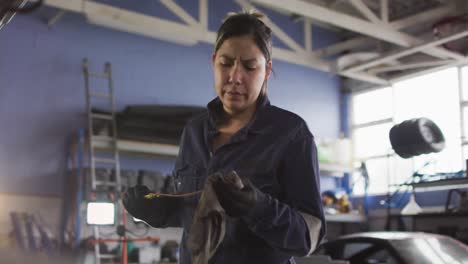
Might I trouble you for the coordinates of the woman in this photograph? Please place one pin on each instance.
(278, 214)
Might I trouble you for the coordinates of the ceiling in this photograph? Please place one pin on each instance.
(383, 41)
(397, 9)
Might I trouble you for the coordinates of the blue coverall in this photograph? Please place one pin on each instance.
(276, 151)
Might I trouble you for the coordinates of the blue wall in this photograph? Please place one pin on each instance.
(42, 94)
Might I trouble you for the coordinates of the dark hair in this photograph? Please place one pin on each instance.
(246, 23)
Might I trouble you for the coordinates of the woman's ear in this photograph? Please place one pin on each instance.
(213, 57)
(269, 67)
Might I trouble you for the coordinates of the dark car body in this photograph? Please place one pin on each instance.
(396, 248)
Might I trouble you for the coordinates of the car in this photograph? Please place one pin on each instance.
(395, 248)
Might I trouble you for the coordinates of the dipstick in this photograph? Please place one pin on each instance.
(158, 194)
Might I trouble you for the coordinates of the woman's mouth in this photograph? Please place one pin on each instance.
(234, 95)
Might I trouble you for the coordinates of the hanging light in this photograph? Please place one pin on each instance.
(100, 213)
(101, 209)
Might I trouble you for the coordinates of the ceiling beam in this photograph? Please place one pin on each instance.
(342, 46)
(136, 23)
(351, 23)
(179, 12)
(133, 22)
(406, 52)
(70, 5)
(203, 13)
(341, 20)
(423, 17)
(366, 77)
(307, 35)
(436, 51)
(283, 36)
(384, 14)
(365, 10)
(408, 66)
(208, 37)
(420, 18)
(301, 59)
(431, 70)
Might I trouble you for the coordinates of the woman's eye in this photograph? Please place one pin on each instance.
(249, 67)
(225, 64)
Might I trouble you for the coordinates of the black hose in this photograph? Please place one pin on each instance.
(27, 8)
(140, 176)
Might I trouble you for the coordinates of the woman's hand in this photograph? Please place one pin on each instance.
(237, 202)
(135, 202)
(159, 212)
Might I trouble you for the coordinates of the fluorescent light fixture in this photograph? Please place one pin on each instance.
(100, 213)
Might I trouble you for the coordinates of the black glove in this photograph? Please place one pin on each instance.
(154, 211)
(135, 202)
(236, 202)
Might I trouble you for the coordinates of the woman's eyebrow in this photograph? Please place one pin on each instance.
(249, 60)
(243, 60)
(226, 57)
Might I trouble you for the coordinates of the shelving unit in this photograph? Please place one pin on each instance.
(337, 170)
(141, 147)
(346, 218)
(342, 224)
(159, 149)
(455, 182)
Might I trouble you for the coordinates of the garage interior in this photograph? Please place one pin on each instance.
(95, 95)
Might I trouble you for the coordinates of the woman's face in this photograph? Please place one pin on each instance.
(240, 69)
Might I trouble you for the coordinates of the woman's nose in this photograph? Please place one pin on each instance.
(235, 75)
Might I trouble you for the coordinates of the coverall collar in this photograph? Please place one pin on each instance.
(215, 111)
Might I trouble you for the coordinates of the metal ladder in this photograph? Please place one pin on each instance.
(95, 159)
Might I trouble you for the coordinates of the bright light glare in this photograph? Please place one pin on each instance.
(434, 96)
(465, 83)
(372, 141)
(100, 213)
(372, 106)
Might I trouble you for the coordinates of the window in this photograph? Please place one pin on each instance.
(372, 119)
(435, 96)
(374, 138)
(373, 106)
(464, 85)
(464, 109)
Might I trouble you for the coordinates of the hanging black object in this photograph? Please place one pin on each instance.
(8, 9)
(415, 137)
